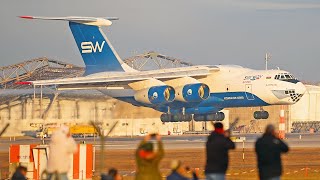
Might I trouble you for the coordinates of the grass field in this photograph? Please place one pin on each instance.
(299, 163)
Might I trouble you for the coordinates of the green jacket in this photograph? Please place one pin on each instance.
(149, 169)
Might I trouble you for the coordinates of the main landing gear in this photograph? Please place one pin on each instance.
(219, 116)
(175, 117)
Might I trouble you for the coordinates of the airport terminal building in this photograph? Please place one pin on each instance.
(28, 109)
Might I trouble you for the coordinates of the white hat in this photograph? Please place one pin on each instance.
(64, 129)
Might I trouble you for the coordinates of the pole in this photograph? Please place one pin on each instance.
(282, 125)
(243, 150)
(266, 59)
(94, 121)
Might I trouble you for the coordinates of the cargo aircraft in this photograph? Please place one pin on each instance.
(198, 92)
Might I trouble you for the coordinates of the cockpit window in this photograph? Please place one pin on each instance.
(284, 76)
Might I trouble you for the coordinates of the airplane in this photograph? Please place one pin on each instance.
(181, 94)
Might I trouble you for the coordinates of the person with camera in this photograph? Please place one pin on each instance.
(148, 159)
(217, 149)
(269, 149)
(178, 171)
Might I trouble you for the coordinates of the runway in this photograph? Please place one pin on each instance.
(173, 142)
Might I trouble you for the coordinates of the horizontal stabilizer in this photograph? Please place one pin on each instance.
(94, 21)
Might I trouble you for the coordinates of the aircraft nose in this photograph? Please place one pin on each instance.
(300, 88)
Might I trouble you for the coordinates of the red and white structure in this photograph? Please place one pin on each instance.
(82, 167)
(35, 158)
(22, 155)
(282, 125)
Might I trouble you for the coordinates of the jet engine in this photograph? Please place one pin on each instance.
(155, 95)
(192, 92)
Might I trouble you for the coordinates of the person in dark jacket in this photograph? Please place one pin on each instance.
(20, 173)
(268, 150)
(217, 150)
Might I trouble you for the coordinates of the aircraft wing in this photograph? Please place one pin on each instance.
(102, 80)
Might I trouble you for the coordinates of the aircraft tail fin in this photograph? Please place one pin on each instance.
(95, 48)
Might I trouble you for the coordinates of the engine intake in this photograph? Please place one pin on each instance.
(193, 92)
(156, 95)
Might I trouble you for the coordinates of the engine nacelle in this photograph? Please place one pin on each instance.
(155, 95)
(192, 92)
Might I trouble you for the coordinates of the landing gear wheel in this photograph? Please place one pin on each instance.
(175, 118)
(220, 116)
(166, 117)
(261, 115)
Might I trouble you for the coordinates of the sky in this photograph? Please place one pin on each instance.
(211, 32)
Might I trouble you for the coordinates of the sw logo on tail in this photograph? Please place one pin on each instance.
(88, 47)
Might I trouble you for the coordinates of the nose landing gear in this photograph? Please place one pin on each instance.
(261, 115)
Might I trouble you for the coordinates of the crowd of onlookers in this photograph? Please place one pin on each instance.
(148, 156)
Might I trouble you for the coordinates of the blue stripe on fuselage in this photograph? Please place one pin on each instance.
(218, 100)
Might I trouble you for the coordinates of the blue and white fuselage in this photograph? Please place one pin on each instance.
(199, 90)
(231, 86)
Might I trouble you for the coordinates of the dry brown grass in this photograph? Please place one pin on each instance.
(299, 163)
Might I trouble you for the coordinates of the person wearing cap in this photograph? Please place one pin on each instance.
(217, 151)
(61, 147)
(269, 149)
(148, 159)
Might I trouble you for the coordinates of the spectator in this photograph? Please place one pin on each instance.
(148, 160)
(178, 170)
(217, 148)
(112, 175)
(268, 150)
(62, 146)
(20, 173)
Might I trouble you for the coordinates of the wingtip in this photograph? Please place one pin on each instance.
(26, 17)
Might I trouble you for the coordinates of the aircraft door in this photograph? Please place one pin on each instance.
(249, 93)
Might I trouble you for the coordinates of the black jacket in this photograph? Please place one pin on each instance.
(217, 153)
(269, 149)
(18, 176)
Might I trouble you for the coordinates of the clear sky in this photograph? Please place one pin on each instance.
(197, 31)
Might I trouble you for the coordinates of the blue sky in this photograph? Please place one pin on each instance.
(198, 31)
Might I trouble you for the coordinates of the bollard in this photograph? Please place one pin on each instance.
(306, 172)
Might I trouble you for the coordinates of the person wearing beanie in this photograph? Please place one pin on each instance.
(148, 159)
(217, 151)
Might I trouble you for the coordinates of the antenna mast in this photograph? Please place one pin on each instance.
(267, 58)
